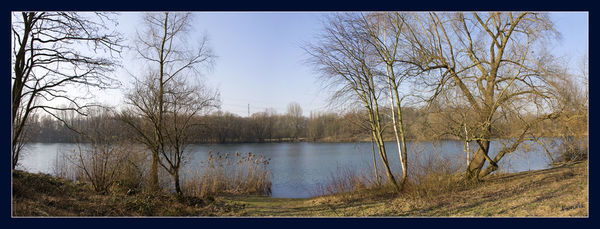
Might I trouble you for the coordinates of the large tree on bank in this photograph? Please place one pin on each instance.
(495, 61)
(53, 52)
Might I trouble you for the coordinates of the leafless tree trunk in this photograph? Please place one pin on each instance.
(375, 170)
(467, 147)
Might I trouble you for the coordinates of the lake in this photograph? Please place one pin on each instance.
(297, 169)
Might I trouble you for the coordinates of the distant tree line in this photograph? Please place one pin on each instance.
(217, 127)
(270, 126)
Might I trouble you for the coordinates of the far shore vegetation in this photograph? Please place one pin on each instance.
(269, 126)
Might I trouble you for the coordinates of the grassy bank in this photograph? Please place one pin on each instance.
(561, 191)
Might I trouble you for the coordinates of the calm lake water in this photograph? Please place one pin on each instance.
(297, 169)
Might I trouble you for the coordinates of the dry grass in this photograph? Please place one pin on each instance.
(230, 174)
(430, 175)
(346, 181)
(44, 195)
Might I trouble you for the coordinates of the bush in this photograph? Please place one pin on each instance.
(131, 177)
(100, 163)
(115, 167)
(572, 149)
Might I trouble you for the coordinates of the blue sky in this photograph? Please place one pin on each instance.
(574, 29)
(260, 59)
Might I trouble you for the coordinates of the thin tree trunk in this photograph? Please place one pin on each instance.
(154, 172)
(386, 163)
(376, 131)
(467, 148)
(376, 124)
(177, 186)
(398, 141)
(158, 131)
(404, 151)
(399, 134)
(375, 161)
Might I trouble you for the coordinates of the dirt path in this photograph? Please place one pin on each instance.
(267, 206)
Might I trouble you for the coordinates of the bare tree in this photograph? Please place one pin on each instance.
(344, 58)
(182, 104)
(54, 50)
(262, 124)
(296, 120)
(162, 100)
(496, 62)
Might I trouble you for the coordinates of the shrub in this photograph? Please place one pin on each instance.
(131, 175)
(100, 163)
(572, 149)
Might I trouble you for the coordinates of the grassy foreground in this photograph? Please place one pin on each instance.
(555, 192)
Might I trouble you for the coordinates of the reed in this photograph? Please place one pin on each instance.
(230, 174)
(345, 180)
